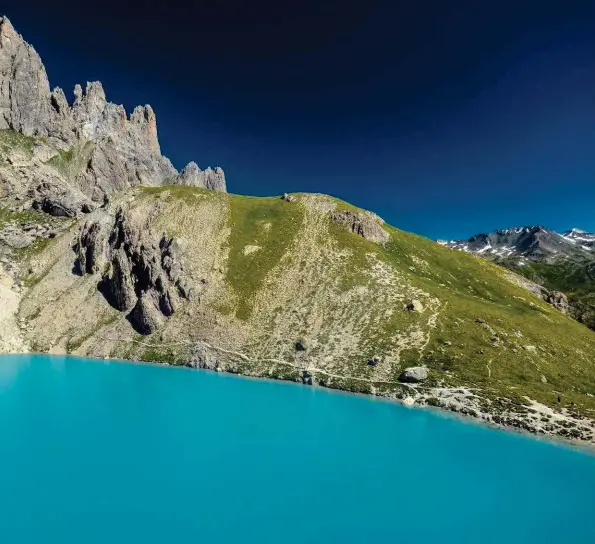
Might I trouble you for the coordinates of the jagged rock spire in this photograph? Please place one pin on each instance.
(24, 87)
(193, 176)
(126, 149)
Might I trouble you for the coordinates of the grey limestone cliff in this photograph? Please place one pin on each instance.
(116, 151)
(24, 87)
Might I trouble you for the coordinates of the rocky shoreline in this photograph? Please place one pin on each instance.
(534, 419)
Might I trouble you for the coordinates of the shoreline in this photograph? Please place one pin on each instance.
(462, 415)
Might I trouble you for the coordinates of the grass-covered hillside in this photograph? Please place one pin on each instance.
(573, 277)
(268, 274)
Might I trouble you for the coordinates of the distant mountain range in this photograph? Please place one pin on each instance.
(560, 262)
(529, 243)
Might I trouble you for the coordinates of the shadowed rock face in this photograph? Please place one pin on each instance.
(125, 150)
(60, 200)
(138, 276)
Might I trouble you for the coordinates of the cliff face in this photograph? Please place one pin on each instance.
(119, 151)
(24, 87)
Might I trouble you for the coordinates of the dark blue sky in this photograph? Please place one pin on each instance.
(446, 118)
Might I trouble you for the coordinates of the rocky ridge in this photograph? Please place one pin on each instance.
(528, 243)
(139, 277)
(117, 151)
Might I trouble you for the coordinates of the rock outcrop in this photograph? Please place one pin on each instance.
(120, 151)
(126, 150)
(60, 200)
(193, 176)
(415, 306)
(139, 277)
(367, 225)
(558, 300)
(414, 374)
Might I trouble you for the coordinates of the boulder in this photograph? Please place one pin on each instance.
(307, 378)
(60, 200)
(373, 361)
(146, 317)
(415, 306)
(559, 301)
(300, 345)
(414, 374)
(18, 240)
(364, 224)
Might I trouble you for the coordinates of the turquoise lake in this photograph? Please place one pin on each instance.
(98, 452)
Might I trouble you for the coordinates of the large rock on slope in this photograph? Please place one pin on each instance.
(414, 374)
(365, 224)
(558, 300)
(59, 199)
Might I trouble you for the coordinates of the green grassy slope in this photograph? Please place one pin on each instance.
(575, 278)
(290, 273)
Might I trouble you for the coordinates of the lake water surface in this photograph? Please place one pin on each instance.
(97, 452)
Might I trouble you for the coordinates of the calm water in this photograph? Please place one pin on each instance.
(110, 452)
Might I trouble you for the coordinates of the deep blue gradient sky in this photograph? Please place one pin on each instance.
(446, 118)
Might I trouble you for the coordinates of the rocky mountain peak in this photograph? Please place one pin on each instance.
(581, 237)
(24, 87)
(125, 150)
(6, 29)
(143, 118)
(193, 176)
